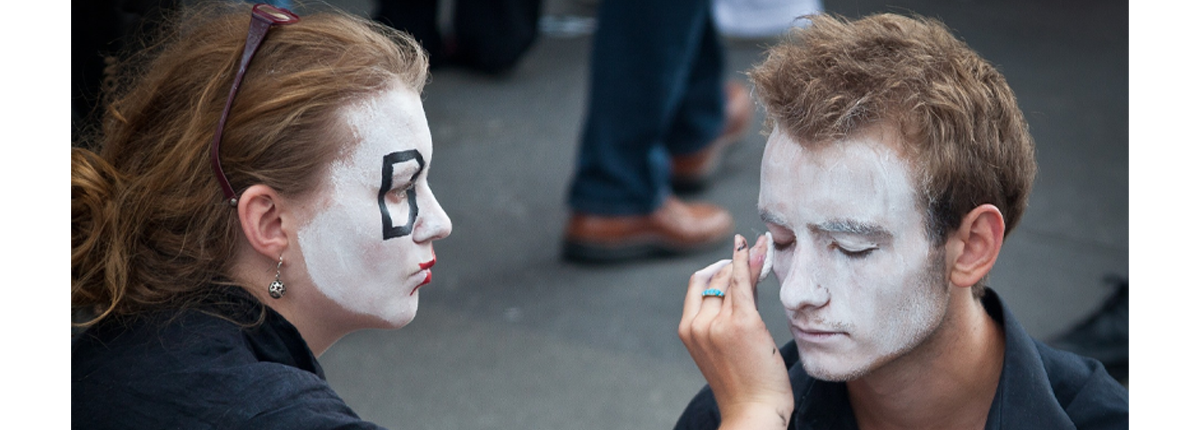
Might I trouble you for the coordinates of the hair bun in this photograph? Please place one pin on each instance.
(94, 183)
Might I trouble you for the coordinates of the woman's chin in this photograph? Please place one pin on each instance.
(401, 318)
(400, 323)
(389, 318)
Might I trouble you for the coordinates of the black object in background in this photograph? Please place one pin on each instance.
(489, 36)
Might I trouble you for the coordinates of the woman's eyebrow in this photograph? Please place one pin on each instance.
(390, 171)
(403, 158)
(406, 171)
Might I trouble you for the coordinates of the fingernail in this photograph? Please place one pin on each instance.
(741, 242)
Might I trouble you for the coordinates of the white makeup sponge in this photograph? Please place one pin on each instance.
(768, 262)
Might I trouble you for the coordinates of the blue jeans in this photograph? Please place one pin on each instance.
(655, 91)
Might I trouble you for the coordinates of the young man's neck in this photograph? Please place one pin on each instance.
(947, 382)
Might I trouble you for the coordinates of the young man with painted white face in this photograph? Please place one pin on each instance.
(897, 164)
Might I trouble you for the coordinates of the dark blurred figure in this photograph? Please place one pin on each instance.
(489, 36)
(1104, 334)
(101, 29)
(659, 114)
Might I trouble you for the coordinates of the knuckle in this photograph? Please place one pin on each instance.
(720, 329)
(750, 324)
(743, 324)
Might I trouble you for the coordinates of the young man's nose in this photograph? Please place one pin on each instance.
(801, 286)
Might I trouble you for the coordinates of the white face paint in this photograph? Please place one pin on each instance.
(350, 259)
(858, 277)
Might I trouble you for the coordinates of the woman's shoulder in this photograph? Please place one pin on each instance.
(137, 371)
(296, 400)
(261, 395)
(163, 340)
(209, 331)
(158, 350)
(190, 367)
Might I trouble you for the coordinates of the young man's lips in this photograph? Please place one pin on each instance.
(815, 335)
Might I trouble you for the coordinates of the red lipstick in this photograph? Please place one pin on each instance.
(428, 279)
(428, 273)
(426, 265)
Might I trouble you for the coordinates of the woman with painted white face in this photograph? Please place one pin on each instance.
(254, 196)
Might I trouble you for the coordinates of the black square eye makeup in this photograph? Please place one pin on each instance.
(390, 230)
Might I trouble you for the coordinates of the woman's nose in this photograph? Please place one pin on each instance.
(432, 223)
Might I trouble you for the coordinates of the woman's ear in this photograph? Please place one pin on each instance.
(975, 245)
(262, 218)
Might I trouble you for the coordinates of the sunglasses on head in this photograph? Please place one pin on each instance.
(263, 17)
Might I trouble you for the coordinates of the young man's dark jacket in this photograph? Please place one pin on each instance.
(1040, 388)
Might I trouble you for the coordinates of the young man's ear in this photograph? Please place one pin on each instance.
(975, 245)
(262, 220)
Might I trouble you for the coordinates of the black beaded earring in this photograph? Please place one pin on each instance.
(277, 289)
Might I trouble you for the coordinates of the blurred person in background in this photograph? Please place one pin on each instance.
(659, 117)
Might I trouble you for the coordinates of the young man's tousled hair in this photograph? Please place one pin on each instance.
(963, 132)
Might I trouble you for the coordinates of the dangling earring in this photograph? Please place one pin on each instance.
(276, 289)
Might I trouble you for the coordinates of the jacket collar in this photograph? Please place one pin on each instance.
(1024, 396)
(274, 339)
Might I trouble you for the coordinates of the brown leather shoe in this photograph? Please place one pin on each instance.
(675, 228)
(691, 172)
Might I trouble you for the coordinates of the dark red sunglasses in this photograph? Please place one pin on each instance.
(263, 17)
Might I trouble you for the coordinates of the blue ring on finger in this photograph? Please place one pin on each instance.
(712, 292)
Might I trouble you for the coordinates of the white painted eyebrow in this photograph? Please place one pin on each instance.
(771, 217)
(852, 226)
